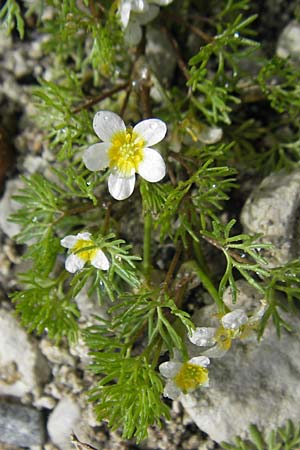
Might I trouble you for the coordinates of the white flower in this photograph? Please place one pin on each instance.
(126, 151)
(134, 13)
(234, 324)
(184, 377)
(82, 250)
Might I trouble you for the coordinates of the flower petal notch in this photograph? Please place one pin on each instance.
(126, 152)
(184, 377)
(82, 250)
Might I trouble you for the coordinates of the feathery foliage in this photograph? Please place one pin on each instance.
(227, 122)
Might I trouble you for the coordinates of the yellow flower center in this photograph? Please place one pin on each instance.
(126, 151)
(79, 249)
(190, 376)
(224, 338)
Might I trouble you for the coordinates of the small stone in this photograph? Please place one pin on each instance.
(210, 135)
(46, 402)
(272, 209)
(55, 354)
(34, 164)
(21, 425)
(22, 366)
(9, 206)
(289, 42)
(62, 421)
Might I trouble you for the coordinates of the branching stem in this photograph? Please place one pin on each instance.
(99, 98)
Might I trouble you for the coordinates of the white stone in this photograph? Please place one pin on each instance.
(9, 206)
(253, 383)
(22, 366)
(45, 401)
(34, 164)
(272, 210)
(63, 421)
(289, 42)
(55, 354)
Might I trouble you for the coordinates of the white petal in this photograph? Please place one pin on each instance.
(124, 12)
(133, 33)
(69, 241)
(100, 261)
(151, 130)
(171, 390)
(95, 157)
(148, 15)
(169, 369)
(107, 123)
(74, 263)
(203, 336)
(202, 361)
(85, 236)
(234, 319)
(153, 167)
(120, 187)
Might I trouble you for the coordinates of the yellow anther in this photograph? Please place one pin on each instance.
(126, 151)
(224, 337)
(190, 376)
(86, 255)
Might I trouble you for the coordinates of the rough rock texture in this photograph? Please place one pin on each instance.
(22, 367)
(62, 421)
(289, 42)
(273, 209)
(9, 206)
(21, 425)
(253, 383)
(248, 298)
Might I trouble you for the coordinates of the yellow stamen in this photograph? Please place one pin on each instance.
(224, 338)
(190, 376)
(126, 152)
(86, 255)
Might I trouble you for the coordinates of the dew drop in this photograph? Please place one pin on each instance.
(236, 35)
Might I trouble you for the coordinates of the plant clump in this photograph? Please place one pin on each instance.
(204, 121)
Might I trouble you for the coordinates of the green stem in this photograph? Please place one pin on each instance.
(208, 285)
(199, 255)
(147, 244)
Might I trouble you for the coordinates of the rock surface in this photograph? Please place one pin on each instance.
(272, 209)
(21, 425)
(253, 383)
(9, 206)
(63, 421)
(22, 366)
